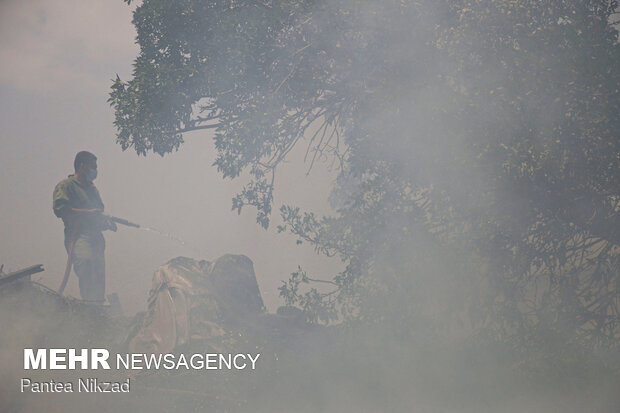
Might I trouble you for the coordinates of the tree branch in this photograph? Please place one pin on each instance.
(193, 128)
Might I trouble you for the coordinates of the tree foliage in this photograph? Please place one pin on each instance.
(476, 141)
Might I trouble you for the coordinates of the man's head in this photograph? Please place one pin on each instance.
(85, 165)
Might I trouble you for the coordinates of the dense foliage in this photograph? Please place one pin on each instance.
(476, 141)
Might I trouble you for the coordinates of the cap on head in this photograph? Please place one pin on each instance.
(83, 157)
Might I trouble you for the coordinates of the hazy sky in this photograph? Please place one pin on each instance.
(58, 59)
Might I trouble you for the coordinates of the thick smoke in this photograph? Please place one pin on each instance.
(441, 306)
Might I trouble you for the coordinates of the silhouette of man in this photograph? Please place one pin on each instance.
(78, 203)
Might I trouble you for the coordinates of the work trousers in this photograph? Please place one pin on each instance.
(89, 265)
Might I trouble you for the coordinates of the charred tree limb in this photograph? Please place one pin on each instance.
(10, 277)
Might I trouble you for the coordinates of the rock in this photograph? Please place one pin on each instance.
(235, 286)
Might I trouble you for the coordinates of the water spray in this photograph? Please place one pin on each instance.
(151, 229)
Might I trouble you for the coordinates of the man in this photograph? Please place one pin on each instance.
(77, 202)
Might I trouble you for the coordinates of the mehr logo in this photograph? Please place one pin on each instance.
(63, 359)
